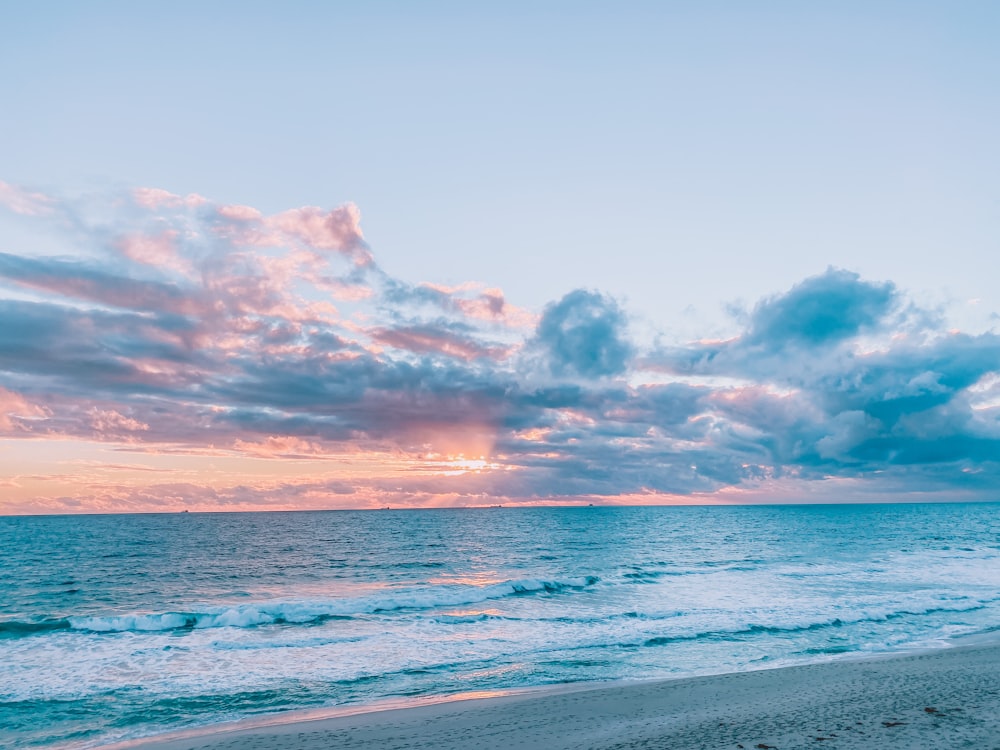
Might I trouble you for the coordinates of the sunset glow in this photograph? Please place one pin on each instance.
(201, 355)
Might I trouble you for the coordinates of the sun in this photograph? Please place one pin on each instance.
(459, 464)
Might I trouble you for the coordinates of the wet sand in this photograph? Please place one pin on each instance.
(947, 698)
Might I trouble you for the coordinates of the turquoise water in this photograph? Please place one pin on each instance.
(115, 627)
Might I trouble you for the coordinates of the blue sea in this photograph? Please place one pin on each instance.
(123, 626)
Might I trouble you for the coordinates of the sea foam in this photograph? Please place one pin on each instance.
(280, 612)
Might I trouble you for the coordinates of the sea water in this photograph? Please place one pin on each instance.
(123, 626)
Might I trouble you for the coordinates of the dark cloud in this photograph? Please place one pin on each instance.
(79, 350)
(87, 282)
(820, 310)
(838, 378)
(584, 334)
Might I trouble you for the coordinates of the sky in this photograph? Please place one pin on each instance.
(331, 255)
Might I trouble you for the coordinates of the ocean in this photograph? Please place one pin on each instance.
(123, 626)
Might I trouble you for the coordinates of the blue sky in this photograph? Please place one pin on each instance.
(636, 182)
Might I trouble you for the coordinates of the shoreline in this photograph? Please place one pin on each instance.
(928, 698)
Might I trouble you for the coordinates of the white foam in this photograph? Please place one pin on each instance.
(310, 611)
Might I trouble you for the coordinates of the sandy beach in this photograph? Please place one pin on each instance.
(948, 698)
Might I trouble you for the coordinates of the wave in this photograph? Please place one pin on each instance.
(20, 628)
(652, 572)
(288, 612)
(752, 629)
(470, 619)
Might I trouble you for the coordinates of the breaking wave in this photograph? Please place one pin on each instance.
(300, 612)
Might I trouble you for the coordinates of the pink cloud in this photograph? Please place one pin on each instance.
(239, 213)
(480, 302)
(451, 289)
(427, 341)
(113, 424)
(156, 250)
(17, 413)
(23, 202)
(279, 446)
(289, 286)
(154, 198)
(338, 229)
(489, 304)
(310, 267)
(343, 291)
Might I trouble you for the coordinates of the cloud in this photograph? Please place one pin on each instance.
(584, 334)
(816, 320)
(473, 301)
(109, 423)
(78, 280)
(338, 229)
(279, 446)
(206, 333)
(480, 302)
(23, 201)
(431, 338)
(17, 414)
(156, 198)
(820, 310)
(158, 250)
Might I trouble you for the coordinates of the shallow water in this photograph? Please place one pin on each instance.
(115, 627)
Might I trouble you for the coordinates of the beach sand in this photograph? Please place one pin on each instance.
(947, 698)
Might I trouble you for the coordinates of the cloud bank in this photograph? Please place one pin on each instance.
(236, 359)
